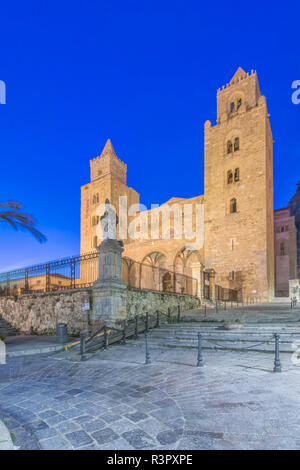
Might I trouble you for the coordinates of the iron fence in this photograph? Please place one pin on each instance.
(82, 271)
(226, 294)
(66, 273)
(147, 276)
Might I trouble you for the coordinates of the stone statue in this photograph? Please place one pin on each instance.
(109, 221)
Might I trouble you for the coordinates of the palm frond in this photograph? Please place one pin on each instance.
(11, 205)
(20, 220)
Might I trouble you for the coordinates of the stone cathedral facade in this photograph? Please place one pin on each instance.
(233, 247)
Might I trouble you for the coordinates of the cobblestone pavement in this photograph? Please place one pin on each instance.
(115, 401)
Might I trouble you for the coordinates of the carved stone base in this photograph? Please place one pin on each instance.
(109, 293)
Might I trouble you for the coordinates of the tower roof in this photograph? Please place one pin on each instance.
(108, 149)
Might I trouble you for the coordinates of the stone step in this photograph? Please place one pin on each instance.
(227, 339)
(228, 333)
(255, 339)
(6, 329)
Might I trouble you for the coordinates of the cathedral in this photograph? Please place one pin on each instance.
(229, 239)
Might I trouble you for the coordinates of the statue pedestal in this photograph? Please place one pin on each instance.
(109, 293)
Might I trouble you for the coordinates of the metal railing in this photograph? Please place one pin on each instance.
(146, 276)
(106, 336)
(66, 273)
(226, 294)
(216, 345)
(82, 271)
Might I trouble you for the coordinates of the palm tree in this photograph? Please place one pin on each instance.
(18, 220)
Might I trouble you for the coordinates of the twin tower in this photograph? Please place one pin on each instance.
(238, 197)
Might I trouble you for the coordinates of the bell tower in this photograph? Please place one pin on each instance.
(108, 181)
(239, 225)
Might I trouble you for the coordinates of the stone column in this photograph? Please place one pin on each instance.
(110, 291)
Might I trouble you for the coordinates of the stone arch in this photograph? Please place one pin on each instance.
(188, 266)
(156, 259)
(152, 270)
(130, 272)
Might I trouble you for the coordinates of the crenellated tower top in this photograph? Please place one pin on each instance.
(108, 163)
(240, 94)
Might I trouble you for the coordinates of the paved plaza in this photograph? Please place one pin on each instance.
(115, 401)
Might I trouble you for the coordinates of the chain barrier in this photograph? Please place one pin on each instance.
(239, 348)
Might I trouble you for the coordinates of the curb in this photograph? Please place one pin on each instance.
(33, 351)
(5, 439)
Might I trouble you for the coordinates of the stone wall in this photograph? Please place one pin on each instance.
(141, 301)
(39, 313)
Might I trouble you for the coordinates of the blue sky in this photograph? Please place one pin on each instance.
(143, 74)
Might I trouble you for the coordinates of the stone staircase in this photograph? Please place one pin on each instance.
(6, 329)
(214, 336)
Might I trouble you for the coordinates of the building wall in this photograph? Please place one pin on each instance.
(243, 241)
(294, 208)
(285, 251)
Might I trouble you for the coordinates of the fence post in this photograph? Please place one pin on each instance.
(105, 338)
(147, 322)
(200, 358)
(136, 327)
(148, 356)
(178, 314)
(216, 307)
(225, 305)
(124, 335)
(72, 268)
(169, 314)
(277, 364)
(157, 318)
(26, 281)
(48, 278)
(8, 283)
(205, 310)
(83, 335)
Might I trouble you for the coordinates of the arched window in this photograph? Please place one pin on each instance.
(237, 174)
(232, 106)
(229, 177)
(95, 198)
(236, 144)
(239, 103)
(233, 206)
(95, 219)
(95, 241)
(229, 146)
(281, 249)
